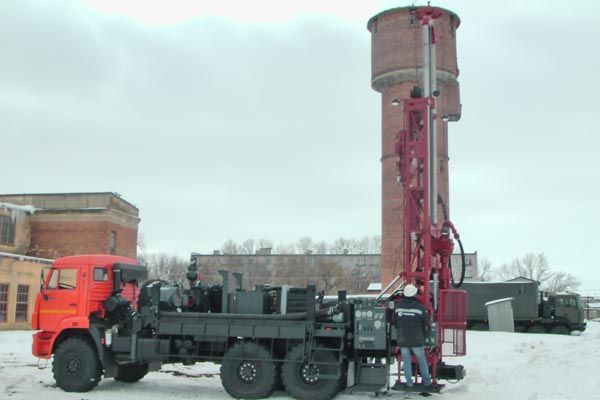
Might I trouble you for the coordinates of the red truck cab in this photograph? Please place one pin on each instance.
(73, 293)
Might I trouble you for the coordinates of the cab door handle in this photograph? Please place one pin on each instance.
(72, 304)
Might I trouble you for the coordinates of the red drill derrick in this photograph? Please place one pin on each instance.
(427, 241)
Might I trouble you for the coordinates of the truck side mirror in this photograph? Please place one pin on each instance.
(44, 295)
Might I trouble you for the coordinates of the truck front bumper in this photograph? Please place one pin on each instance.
(580, 327)
(42, 344)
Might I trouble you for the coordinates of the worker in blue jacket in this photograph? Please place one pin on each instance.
(412, 325)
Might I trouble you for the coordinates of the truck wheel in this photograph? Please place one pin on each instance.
(560, 330)
(131, 372)
(247, 372)
(536, 329)
(480, 326)
(76, 367)
(300, 385)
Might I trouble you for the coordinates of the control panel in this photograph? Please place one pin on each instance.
(370, 326)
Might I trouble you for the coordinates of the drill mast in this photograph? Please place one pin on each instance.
(427, 238)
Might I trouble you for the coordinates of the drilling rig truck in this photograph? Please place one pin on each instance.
(97, 319)
(97, 316)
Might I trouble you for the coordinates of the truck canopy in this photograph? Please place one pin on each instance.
(525, 298)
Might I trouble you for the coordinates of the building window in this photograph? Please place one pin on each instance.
(113, 242)
(22, 302)
(7, 229)
(3, 301)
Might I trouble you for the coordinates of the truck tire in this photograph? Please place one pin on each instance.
(247, 372)
(76, 367)
(299, 386)
(560, 330)
(536, 329)
(131, 372)
(480, 326)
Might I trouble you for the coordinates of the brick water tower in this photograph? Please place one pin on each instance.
(396, 68)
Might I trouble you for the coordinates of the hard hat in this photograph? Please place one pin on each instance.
(410, 290)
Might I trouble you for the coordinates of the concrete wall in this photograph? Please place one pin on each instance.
(16, 270)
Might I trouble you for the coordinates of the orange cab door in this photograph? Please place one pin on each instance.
(59, 297)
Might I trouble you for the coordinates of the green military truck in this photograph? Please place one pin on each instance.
(534, 311)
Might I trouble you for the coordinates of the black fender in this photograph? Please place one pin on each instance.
(104, 355)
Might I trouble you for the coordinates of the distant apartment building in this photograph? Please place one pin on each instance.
(329, 272)
(471, 270)
(37, 228)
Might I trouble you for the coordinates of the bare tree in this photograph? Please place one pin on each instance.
(485, 270)
(506, 272)
(366, 244)
(141, 249)
(289, 248)
(230, 247)
(343, 246)
(248, 246)
(363, 245)
(376, 244)
(168, 267)
(320, 247)
(265, 243)
(537, 268)
(560, 281)
(327, 274)
(533, 266)
(305, 245)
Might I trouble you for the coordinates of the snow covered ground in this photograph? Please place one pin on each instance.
(500, 366)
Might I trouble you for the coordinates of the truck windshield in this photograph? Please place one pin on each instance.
(62, 278)
(572, 302)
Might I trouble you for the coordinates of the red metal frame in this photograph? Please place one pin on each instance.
(427, 247)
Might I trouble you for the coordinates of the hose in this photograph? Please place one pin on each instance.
(462, 250)
(464, 265)
(322, 313)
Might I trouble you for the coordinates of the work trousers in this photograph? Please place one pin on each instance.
(419, 353)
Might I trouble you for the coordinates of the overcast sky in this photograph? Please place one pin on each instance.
(256, 119)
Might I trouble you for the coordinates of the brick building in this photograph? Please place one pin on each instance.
(37, 228)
